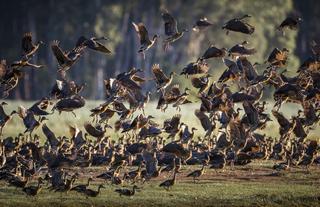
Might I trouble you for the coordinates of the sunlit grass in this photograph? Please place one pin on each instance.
(59, 123)
(241, 187)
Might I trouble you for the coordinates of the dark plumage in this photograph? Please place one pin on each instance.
(145, 42)
(239, 25)
(290, 22)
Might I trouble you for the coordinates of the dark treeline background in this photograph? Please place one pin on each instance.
(66, 20)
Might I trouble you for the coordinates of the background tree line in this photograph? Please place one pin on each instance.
(66, 20)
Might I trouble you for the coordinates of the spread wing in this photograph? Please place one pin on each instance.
(170, 24)
(142, 32)
(3, 68)
(58, 53)
(27, 42)
(158, 73)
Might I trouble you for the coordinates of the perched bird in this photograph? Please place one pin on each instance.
(83, 187)
(93, 193)
(145, 42)
(33, 190)
(126, 192)
(171, 29)
(169, 183)
(196, 174)
(239, 25)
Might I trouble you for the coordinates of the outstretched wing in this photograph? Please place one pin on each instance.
(142, 32)
(158, 73)
(170, 24)
(58, 53)
(27, 42)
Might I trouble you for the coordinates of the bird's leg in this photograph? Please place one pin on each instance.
(34, 65)
(143, 56)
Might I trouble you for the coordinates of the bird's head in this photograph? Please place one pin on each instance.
(173, 73)
(285, 50)
(256, 63)
(151, 117)
(43, 119)
(13, 112)
(194, 129)
(245, 42)
(4, 103)
(246, 16)
(155, 37)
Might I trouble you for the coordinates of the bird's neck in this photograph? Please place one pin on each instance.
(99, 189)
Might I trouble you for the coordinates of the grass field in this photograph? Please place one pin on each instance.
(252, 185)
(59, 123)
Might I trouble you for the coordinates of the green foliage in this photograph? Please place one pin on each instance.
(67, 20)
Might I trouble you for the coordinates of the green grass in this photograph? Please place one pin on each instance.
(59, 123)
(247, 186)
(241, 187)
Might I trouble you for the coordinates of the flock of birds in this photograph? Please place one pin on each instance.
(152, 147)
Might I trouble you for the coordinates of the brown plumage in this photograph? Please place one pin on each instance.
(97, 132)
(28, 47)
(161, 79)
(201, 83)
(93, 193)
(239, 25)
(65, 59)
(171, 126)
(145, 42)
(171, 29)
(239, 50)
(196, 174)
(4, 118)
(33, 190)
(93, 44)
(213, 52)
(126, 192)
(206, 123)
(169, 183)
(195, 68)
(201, 24)
(278, 57)
(290, 23)
(70, 104)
